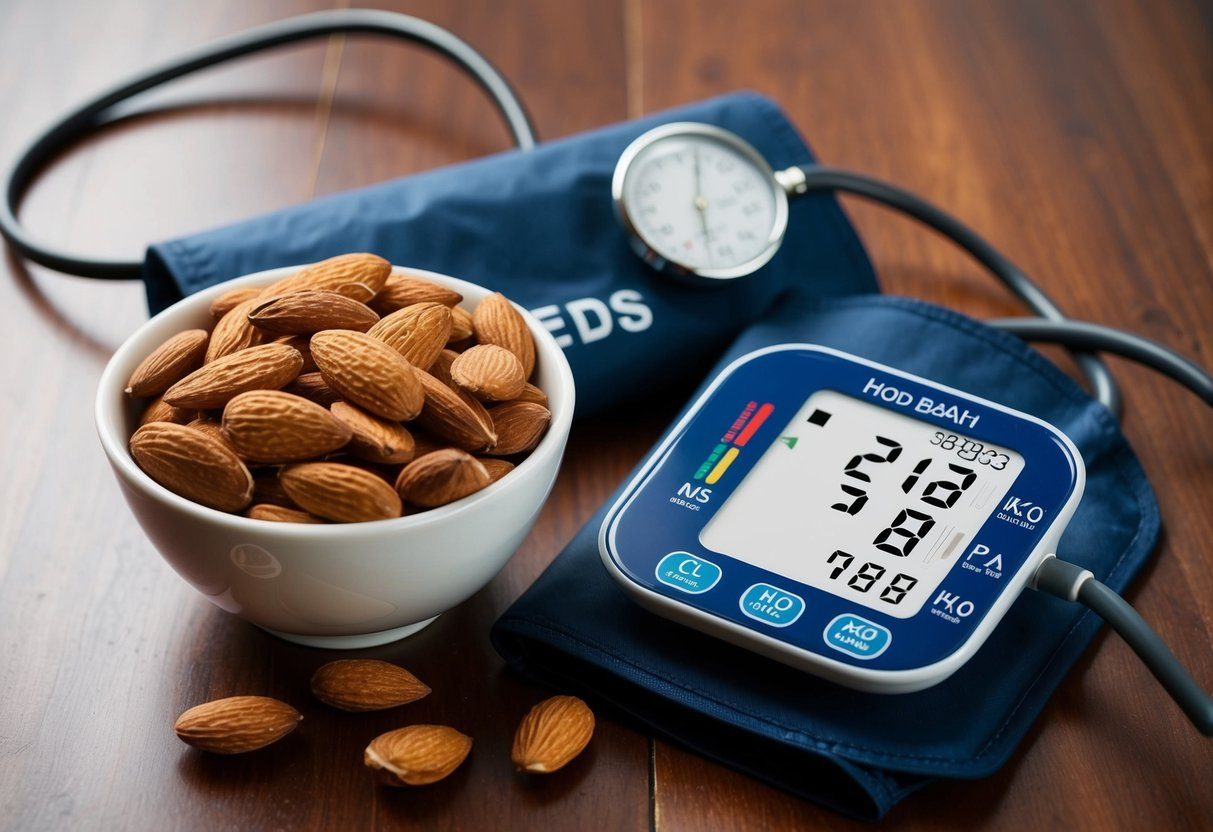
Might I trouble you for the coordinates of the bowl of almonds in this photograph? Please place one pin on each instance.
(341, 451)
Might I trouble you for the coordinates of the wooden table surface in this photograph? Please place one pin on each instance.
(1076, 136)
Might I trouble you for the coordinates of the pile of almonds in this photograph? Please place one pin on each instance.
(549, 736)
(341, 393)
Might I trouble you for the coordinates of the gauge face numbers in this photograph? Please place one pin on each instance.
(703, 202)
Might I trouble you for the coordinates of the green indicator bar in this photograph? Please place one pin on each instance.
(710, 461)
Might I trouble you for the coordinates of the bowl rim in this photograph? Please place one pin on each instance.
(110, 405)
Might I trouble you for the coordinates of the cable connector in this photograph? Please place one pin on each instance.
(1073, 583)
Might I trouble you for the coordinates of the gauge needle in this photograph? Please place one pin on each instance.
(701, 206)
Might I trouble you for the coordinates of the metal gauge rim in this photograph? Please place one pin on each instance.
(649, 252)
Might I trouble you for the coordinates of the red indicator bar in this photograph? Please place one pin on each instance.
(754, 424)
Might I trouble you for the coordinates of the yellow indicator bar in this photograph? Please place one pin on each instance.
(722, 466)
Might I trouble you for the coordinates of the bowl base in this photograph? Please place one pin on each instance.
(354, 642)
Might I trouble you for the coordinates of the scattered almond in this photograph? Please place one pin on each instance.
(416, 755)
(368, 372)
(168, 364)
(236, 724)
(263, 367)
(489, 372)
(551, 734)
(273, 426)
(193, 464)
(496, 321)
(311, 310)
(366, 685)
(340, 492)
(313, 387)
(441, 477)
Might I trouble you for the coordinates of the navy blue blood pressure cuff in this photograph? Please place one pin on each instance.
(858, 753)
(539, 226)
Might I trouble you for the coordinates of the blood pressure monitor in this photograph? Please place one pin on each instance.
(857, 522)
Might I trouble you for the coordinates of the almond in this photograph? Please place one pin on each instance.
(551, 734)
(519, 427)
(280, 514)
(303, 343)
(263, 367)
(359, 276)
(418, 332)
(441, 477)
(416, 755)
(369, 373)
(372, 438)
(236, 724)
(339, 492)
(273, 426)
(158, 410)
(313, 387)
(489, 372)
(233, 332)
(403, 289)
(311, 310)
(232, 298)
(450, 417)
(497, 468)
(366, 685)
(194, 464)
(531, 393)
(168, 364)
(461, 325)
(497, 321)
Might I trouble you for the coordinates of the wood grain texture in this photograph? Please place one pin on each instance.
(1075, 136)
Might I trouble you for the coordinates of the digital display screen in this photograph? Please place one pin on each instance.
(863, 502)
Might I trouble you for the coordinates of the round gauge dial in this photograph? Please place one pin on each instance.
(700, 201)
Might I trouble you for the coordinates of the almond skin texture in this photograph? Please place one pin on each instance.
(374, 439)
(263, 367)
(489, 372)
(418, 332)
(232, 298)
(551, 734)
(194, 464)
(461, 325)
(233, 332)
(280, 514)
(358, 276)
(273, 426)
(366, 685)
(416, 755)
(158, 410)
(403, 290)
(369, 373)
(313, 387)
(448, 416)
(519, 427)
(311, 310)
(441, 477)
(496, 321)
(169, 363)
(497, 468)
(236, 724)
(339, 492)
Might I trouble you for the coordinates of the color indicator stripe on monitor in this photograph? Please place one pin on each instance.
(722, 466)
(754, 424)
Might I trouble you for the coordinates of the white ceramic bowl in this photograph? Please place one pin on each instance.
(344, 585)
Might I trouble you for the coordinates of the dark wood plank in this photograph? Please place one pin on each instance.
(1074, 137)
